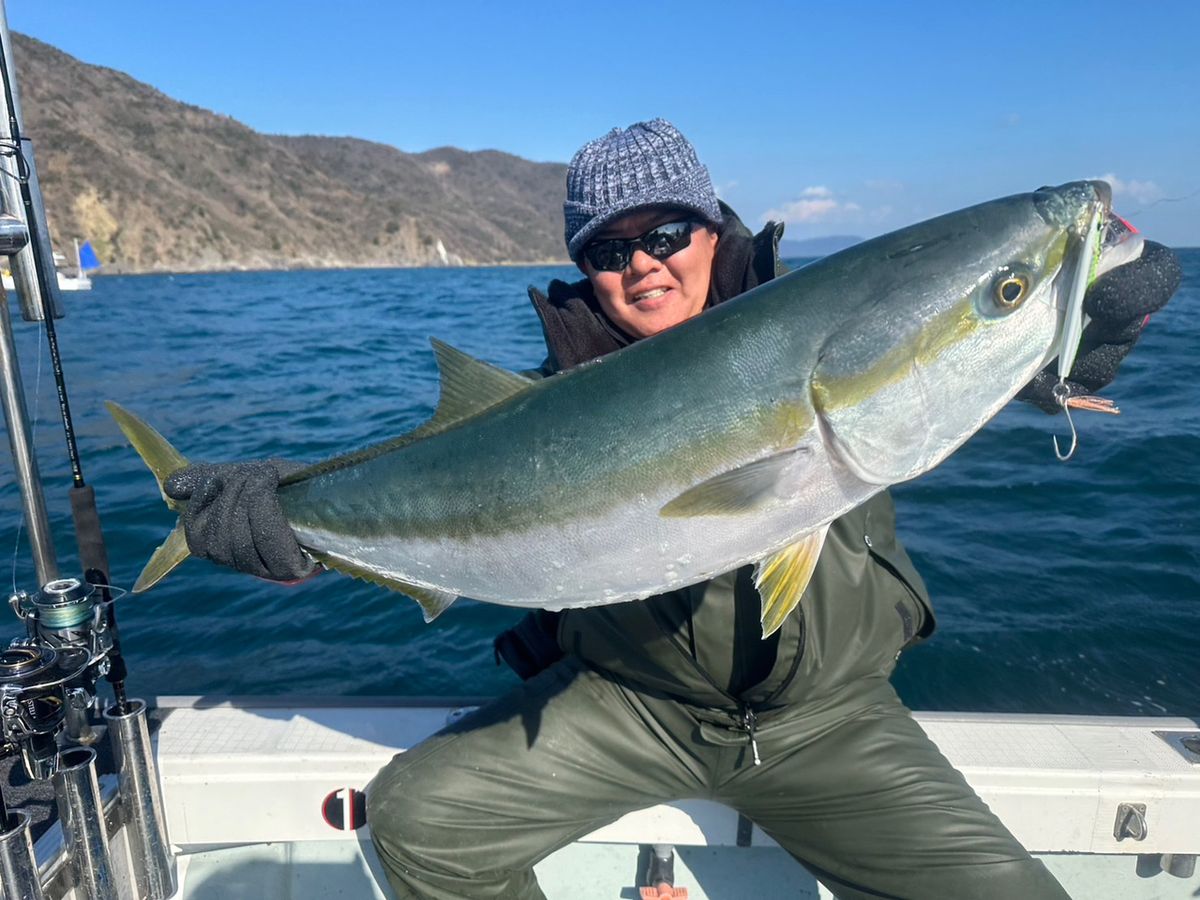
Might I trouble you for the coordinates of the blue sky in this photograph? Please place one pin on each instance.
(847, 118)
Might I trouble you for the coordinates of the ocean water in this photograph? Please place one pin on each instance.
(1066, 588)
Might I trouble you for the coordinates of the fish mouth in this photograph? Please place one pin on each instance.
(1082, 206)
(1120, 243)
(1103, 241)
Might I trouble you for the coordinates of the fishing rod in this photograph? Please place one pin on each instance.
(93, 552)
(48, 678)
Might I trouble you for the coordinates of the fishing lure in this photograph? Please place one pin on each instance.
(1068, 348)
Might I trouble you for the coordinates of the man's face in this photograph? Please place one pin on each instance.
(651, 295)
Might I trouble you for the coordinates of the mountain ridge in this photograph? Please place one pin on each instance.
(157, 184)
(161, 185)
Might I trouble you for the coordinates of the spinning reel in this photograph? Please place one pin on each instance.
(69, 615)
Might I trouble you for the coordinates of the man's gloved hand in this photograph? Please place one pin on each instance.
(233, 518)
(1119, 304)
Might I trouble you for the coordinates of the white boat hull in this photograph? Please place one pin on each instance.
(247, 789)
(65, 282)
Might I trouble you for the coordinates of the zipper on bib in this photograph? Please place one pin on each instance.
(749, 722)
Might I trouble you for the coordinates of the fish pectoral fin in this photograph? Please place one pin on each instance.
(169, 554)
(745, 489)
(433, 602)
(468, 386)
(783, 576)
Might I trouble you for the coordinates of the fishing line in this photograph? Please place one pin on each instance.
(1138, 212)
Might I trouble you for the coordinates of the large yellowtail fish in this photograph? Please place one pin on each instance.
(736, 437)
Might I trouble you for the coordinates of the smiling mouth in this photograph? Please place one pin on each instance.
(649, 295)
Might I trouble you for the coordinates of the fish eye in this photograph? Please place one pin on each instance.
(1009, 290)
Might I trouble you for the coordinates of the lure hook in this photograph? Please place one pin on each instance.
(1062, 394)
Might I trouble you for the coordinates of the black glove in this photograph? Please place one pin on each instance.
(233, 518)
(1119, 303)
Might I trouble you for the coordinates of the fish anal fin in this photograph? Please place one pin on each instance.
(745, 489)
(782, 578)
(433, 601)
(169, 554)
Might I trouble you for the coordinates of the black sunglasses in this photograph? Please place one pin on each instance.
(661, 241)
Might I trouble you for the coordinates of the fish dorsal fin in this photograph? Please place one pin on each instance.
(433, 601)
(783, 576)
(744, 489)
(468, 386)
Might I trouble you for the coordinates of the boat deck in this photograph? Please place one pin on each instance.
(334, 869)
(589, 871)
(259, 799)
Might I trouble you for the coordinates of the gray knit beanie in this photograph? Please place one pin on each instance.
(646, 164)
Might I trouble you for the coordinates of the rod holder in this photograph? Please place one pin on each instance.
(82, 816)
(13, 234)
(18, 865)
(154, 868)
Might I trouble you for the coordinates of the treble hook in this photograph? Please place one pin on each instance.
(1062, 394)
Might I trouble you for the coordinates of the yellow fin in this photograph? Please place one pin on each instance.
(163, 460)
(744, 489)
(155, 450)
(169, 554)
(468, 386)
(433, 602)
(783, 576)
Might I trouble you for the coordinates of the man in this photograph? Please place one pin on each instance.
(678, 696)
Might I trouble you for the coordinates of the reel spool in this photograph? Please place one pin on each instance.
(67, 612)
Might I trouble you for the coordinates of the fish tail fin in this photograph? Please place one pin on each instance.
(163, 460)
(169, 554)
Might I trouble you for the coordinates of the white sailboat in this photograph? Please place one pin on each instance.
(85, 261)
(77, 279)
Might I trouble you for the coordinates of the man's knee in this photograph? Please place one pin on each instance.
(425, 828)
(398, 807)
(398, 815)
